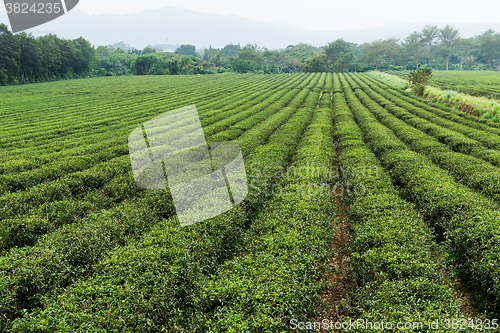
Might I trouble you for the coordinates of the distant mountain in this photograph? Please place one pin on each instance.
(182, 26)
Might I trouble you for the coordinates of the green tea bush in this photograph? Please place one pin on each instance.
(166, 264)
(450, 208)
(468, 170)
(393, 256)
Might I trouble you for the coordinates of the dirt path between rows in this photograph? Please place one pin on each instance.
(335, 294)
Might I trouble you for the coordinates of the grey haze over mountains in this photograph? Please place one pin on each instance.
(182, 26)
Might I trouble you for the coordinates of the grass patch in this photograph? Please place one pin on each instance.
(483, 107)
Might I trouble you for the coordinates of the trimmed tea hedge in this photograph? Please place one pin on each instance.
(395, 272)
(450, 208)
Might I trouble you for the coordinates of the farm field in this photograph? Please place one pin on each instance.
(474, 83)
(473, 91)
(413, 185)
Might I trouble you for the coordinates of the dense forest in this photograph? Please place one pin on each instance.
(24, 58)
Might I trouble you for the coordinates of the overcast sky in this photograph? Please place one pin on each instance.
(321, 15)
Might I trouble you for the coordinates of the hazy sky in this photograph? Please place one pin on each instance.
(321, 15)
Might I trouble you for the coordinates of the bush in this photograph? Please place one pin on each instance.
(418, 79)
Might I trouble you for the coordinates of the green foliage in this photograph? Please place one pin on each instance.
(187, 49)
(9, 52)
(449, 38)
(419, 79)
(302, 51)
(336, 56)
(251, 53)
(380, 50)
(393, 264)
(489, 46)
(83, 249)
(283, 62)
(208, 244)
(147, 50)
(445, 203)
(25, 59)
(168, 63)
(429, 37)
(339, 55)
(214, 56)
(230, 50)
(249, 58)
(316, 64)
(148, 65)
(413, 45)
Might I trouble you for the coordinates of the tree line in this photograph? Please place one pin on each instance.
(187, 60)
(24, 58)
(434, 48)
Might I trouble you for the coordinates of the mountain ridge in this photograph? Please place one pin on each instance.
(183, 26)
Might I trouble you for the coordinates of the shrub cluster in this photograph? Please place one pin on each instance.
(485, 177)
(395, 272)
(463, 219)
(154, 283)
(59, 279)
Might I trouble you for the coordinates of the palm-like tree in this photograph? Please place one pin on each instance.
(449, 38)
(413, 44)
(429, 38)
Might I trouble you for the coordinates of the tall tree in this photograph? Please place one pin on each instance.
(29, 60)
(449, 38)
(469, 60)
(186, 65)
(489, 43)
(149, 49)
(339, 55)
(86, 58)
(373, 53)
(249, 58)
(277, 59)
(104, 51)
(67, 59)
(214, 56)
(252, 53)
(413, 45)
(9, 55)
(429, 38)
(148, 64)
(50, 56)
(230, 50)
(187, 49)
(316, 64)
(402, 57)
(466, 45)
(302, 51)
(392, 50)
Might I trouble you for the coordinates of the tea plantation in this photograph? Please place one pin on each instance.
(475, 83)
(83, 249)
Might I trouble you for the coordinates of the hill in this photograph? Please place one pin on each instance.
(182, 26)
